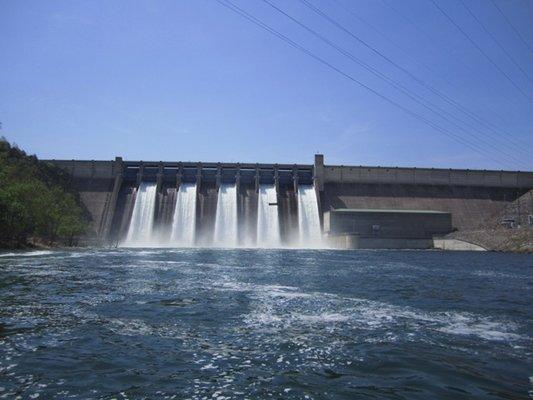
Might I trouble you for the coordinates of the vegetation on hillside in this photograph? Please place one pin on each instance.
(36, 205)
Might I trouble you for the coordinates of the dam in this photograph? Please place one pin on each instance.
(182, 204)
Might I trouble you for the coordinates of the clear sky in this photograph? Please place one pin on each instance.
(193, 80)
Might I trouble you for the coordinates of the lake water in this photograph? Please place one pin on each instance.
(260, 324)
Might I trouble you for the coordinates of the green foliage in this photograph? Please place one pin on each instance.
(35, 202)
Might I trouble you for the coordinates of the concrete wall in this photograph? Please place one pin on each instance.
(164, 213)
(108, 188)
(427, 176)
(95, 181)
(470, 206)
(456, 245)
(247, 213)
(348, 241)
(471, 196)
(387, 224)
(288, 214)
(206, 211)
(122, 213)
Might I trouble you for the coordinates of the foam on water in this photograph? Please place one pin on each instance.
(35, 253)
(204, 323)
(282, 308)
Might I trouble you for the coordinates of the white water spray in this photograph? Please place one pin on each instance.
(226, 234)
(184, 220)
(308, 217)
(268, 232)
(142, 219)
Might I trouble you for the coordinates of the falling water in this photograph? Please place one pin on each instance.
(142, 220)
(226, 217)
(184, 221)
(268, 233)
(308, 217)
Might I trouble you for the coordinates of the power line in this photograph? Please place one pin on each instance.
(487, 124)
(502, 48)
(229, 5)
(418, 99)
(393, 42)
(441, 95)
(443, 48)
(467, 36)
(512, 26)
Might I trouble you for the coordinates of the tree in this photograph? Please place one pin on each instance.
(36, 201)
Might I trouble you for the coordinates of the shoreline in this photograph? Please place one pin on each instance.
(4, 250)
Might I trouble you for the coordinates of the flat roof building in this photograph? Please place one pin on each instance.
(374, 228)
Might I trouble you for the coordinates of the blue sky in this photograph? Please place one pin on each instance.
(192, 80)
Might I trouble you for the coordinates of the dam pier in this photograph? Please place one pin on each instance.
(182, 204)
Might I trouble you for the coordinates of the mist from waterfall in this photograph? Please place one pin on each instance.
(184, 219)
(226, 222)
(268, 231)
(310, 233)
(142, 219)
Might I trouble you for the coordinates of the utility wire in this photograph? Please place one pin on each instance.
(512, 26)
(418, 99)
(388, 59)
(487, 124)
(423, 33)
(393, 42)
(231, 6)
(493, 132)
(502, 48)
(489, 59)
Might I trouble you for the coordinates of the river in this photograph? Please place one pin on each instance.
(260, 324)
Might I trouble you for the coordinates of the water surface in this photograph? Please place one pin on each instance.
(294, 324)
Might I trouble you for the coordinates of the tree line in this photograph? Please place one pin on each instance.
(36, 204)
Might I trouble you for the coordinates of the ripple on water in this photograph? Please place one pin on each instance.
(243, 324)
(285, 306)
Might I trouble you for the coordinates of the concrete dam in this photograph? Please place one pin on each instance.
(182, 204)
